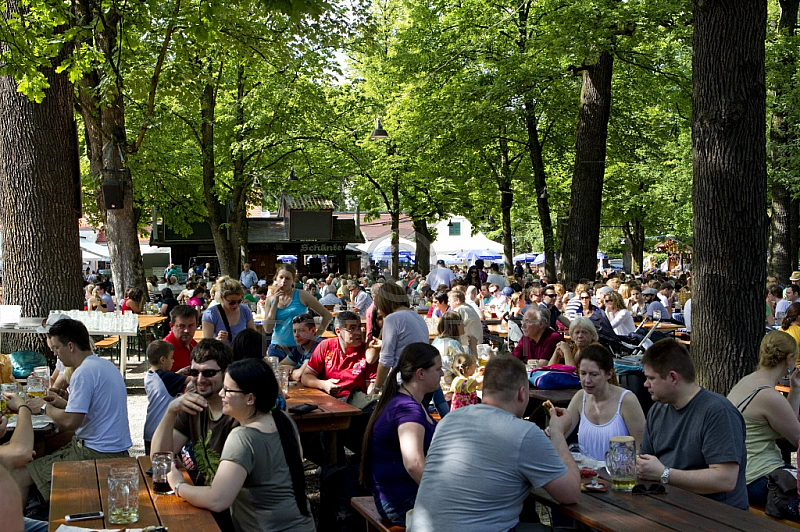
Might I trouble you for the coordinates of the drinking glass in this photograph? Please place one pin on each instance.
(656, 315)
(283, 379)
(9, 387)
(36, 386)
(43, 372)
(274, 363)
(621, 462)
(162, 464)
(123, 495)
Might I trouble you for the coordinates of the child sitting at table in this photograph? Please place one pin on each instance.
(465, 385)
(161, 386)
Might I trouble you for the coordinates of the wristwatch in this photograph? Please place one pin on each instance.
(665, 476)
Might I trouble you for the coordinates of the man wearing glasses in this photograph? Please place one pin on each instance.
(360, 299)
(341, 364)
(549, 297)
(196, 418)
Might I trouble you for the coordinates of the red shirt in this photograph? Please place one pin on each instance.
(350, 367)
(183, 355)
(527, 349)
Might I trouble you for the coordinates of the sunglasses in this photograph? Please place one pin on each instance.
(207, 373)
(652, 489)
(550, 295)
(586, 297)
(492, 291)
(233, 302)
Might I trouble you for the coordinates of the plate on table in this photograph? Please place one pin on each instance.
(600, 485)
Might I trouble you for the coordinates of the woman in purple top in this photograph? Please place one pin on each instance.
(400, 431)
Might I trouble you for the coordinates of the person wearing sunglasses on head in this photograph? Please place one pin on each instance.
(196, 418)
(224, 321)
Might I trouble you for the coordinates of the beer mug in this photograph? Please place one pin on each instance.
(621, 462)
(162, 464)
(8, 387)
(36, 386)
(123, 495)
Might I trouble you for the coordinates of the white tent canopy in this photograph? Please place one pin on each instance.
(386, 242)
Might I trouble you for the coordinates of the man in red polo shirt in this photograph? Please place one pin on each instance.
(339, 365)
(185, 320)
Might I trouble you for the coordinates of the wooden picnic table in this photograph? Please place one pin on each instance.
(500, 329)
(663, 326)
(677, 509)
(332, 416)
(149, 320)
(82, 486)
(559, 398)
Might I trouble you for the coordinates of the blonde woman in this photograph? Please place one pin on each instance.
(767, 414)
(582, 333)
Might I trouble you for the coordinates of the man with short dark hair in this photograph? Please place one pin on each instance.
(792, 294)
(97, 407)
(774, 294)
(439, 275)
(108, 301)
(304, 329)
(339, 365)
(454, 496)
(494, 276)
(693, 438)
(185, 320)
(653, 305)
(549, 298)
(196, 417)
(539, 341)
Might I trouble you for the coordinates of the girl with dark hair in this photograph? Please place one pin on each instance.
(473, 277)
(604, 409)
(260, 475)
(134, 301)
(791, 322)
(400, 431)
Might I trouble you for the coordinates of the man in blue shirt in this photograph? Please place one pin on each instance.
(248, 277)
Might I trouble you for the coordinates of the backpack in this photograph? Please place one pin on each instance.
(555, 377)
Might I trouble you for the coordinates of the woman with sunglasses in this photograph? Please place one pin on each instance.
(230, 317)
(473, 277)
(286, 303)
(587, 309)
(260, 475)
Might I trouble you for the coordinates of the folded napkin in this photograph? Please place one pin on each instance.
(38, 421)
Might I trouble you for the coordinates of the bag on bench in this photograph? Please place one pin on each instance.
(782, 497)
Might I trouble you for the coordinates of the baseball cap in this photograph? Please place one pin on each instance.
(51, 320)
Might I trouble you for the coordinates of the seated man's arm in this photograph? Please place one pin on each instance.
(310, 379)
(55, 410)
(716, 478)
(166, 438)
(566, 488)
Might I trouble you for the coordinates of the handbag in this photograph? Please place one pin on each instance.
(782, 497)
(555, 377)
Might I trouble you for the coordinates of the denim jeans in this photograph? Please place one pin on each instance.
(394, 511)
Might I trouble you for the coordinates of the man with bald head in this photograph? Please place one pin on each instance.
(539, 340)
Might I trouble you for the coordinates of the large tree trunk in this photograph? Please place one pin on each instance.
(395, 229)
(106, 141)
(39, 201)
(540, 184)
(506, 201)
(423, 239)
(579, 256)
(634, 234)
(783, 255)
(225, 241)
(729, 189)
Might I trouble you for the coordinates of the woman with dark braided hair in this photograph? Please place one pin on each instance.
(791, 322)
(400, 431)
(260, 475)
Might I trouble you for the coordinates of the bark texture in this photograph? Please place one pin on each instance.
(582, 235)
(423, 239)
(39, 202)
(729, 189)
(784, 228)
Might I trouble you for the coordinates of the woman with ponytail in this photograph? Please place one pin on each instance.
(400, 431)
(791, 322)
(260, 476)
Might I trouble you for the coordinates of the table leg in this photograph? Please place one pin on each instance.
(123, 355)
(331, 447)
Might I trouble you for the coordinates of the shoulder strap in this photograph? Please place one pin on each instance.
(621, 397)
(747, 400)
(225, 321)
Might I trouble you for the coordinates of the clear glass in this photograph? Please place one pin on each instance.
(123, 495)
(621, 463)
(36, 386)
(162, 464)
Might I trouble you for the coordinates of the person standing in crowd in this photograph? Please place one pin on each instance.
(248, 277)
(286, 303)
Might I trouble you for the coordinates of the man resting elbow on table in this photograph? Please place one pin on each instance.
(693, 438)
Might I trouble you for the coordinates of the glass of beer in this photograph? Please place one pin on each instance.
(8, 387)
(621, 462)
(162, 464)
(123, 495)
(36, 386)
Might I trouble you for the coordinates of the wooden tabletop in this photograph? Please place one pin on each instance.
(332, 413)
(146, 320)
(82, 486)
(500, 329)
(664, 326)
(675, 510)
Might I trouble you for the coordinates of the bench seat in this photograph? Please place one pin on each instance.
(759, 510)
(375, 522)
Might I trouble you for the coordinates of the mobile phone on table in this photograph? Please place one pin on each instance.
(303, 409)
(84, 516)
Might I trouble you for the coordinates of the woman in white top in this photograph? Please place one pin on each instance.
(603, 410)
(621, 320)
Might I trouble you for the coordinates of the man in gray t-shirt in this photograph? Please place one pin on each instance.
(693, 439)
(484, 459)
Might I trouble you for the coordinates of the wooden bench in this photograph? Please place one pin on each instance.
(375, 522)
(110, 343)
(759, 510)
